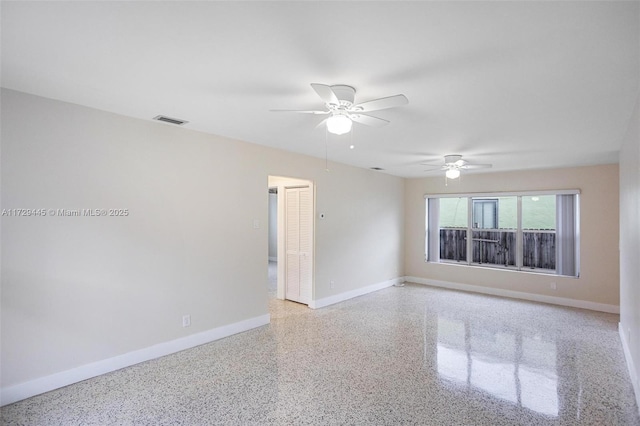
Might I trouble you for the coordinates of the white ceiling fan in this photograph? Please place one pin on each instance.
(453, 164)
(339, 100)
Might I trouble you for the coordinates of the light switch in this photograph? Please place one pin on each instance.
(256, 224)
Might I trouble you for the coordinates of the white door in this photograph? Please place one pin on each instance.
(298, 240)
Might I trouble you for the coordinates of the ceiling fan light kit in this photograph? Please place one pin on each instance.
(339, 124)
(339, 100)
(452, 173)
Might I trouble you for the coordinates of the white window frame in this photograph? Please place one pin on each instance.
(567, 220)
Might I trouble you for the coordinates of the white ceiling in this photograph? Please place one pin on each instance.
(516, 84)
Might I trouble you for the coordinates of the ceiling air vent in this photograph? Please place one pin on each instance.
(376, 168)
(170, 120)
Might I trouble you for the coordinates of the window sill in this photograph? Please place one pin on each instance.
(525, 270)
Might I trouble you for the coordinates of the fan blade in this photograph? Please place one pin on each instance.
(368, 120)
(434, 168)
(326, 93)
(299, 111)
(475, 166)
(382, 103)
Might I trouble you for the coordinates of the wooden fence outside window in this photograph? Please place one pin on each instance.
(499, 247)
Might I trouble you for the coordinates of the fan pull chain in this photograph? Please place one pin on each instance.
(326, 149)
(351, 146)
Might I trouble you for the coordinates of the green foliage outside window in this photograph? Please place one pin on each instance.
(538, 212)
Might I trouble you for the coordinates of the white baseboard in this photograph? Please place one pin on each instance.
(34, 387)
(321, 303)
(630, 365)
(574, 303)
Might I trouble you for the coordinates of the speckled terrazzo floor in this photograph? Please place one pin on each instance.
(409, 355)
(272, 281)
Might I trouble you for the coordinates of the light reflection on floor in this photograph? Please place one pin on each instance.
(519, 369)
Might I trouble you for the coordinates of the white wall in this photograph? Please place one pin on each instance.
(78, 290)
(630, 248)
(599, 273)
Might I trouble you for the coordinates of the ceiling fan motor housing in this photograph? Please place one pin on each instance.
(345, 94)
(451, 159)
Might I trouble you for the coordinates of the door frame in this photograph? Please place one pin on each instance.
(282, 182)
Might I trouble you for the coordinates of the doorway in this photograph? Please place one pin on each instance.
(293, 211)
(272, 283)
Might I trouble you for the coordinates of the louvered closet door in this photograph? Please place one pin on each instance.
(298, 244)
(292, 290)
(306, 216)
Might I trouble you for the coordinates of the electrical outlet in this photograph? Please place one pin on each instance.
(186, 320)
(553, 285)
(332, 284)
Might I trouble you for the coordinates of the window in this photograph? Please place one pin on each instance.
(494, 231)
(536, 231)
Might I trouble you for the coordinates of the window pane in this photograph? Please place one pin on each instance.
(453, 212)
(453, 244)
(538, 232)
(508, 213)
(494, 247)
(539, 212)
(453, 229)
(496, 243)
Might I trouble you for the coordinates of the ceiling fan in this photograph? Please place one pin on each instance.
(339, 100)
(453, 164)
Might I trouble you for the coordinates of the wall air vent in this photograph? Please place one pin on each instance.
(377, 168)
(166, 119)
